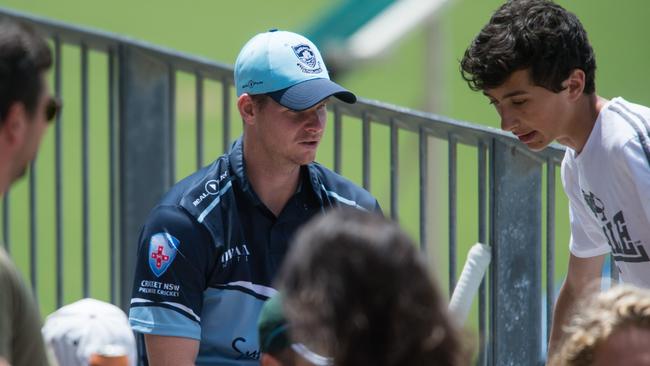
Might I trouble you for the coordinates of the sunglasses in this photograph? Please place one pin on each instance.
(52, 108)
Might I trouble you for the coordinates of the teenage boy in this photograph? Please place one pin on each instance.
(535, 64)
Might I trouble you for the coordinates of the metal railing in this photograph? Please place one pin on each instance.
(142, 157)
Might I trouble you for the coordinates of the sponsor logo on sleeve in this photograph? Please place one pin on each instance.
(162, 251)
(210, 188)
(159, 288)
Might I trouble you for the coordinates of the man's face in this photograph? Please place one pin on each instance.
(35, 125)
(534, 114)
(289, 136)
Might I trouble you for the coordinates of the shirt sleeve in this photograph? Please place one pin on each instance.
(171, 274)
(586, 238)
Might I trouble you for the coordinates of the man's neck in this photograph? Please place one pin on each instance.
(273, 181)
(582, 122)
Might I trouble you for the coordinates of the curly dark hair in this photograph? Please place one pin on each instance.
(529, 34)
(24, 56)
(356, 289)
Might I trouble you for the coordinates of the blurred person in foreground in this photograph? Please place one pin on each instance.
(26, 108)
(90, 332)
(534, 63)
(210, 250)
(611, 328)
(357, 292)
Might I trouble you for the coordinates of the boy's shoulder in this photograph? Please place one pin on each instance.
(622, 121)
(619, 122)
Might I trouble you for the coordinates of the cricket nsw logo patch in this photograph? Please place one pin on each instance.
(162, 251)
(308, 61)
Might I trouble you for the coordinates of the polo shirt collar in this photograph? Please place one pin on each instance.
(308, 174)
(236, 157)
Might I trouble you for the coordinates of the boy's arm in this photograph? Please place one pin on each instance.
(580, 281)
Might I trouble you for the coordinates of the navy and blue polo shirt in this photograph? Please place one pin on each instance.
(210, 250)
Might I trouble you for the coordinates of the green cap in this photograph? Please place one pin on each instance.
(272, 326)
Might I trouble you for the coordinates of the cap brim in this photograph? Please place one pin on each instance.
(311, 92)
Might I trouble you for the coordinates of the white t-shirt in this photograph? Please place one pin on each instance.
(608, 185)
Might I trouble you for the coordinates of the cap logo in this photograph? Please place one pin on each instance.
(251, 84)
(308, 61)
(162, 251)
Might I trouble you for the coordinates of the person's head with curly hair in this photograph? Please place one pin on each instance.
(612, 329)
(534, 63)
(356, 289)
(537, 35)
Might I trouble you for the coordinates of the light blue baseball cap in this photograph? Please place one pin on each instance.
(287, 67)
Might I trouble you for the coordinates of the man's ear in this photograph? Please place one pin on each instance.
(14, 125)
(575, 84)
(268, 360)
(246, 108)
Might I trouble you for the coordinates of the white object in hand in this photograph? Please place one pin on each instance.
(478, 259)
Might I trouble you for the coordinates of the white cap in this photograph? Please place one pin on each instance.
(78, 330)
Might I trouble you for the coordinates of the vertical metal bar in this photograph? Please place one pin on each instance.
(33, 251)
(225, 91)
(143, 125)
(423, 151)
(482, 236)
(337, 139)
(111, 173)
(199, 120)
(491, 354)
(516, 272)
(550, 244)
(452, 156)
(58, 176)
(394, 169)
(84, 168)
(5, 221)
(366, 150)
(172, 132)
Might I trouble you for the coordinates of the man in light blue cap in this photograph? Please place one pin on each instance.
(210, 249)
